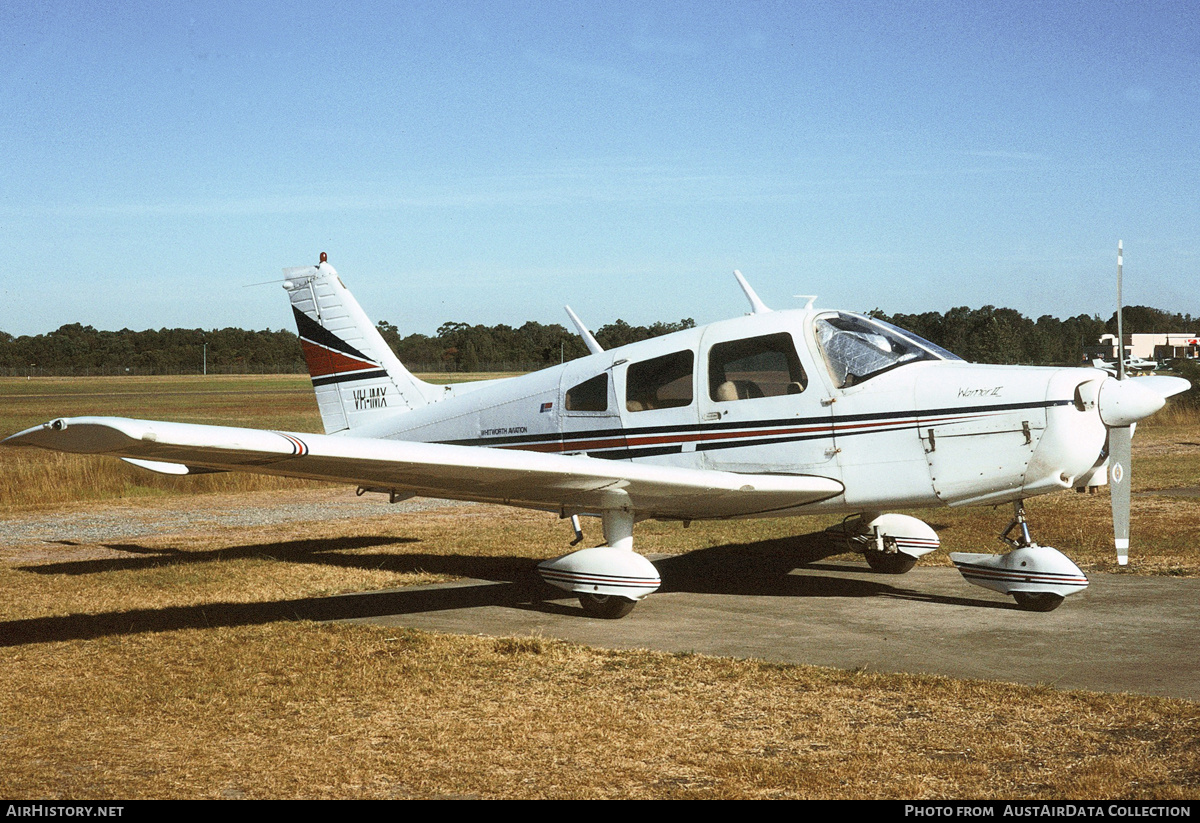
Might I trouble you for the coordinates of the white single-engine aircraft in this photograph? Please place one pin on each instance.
(774, 414)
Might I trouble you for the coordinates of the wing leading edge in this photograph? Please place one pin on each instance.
(518, 478)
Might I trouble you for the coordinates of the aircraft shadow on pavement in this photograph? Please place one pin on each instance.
(763, 568)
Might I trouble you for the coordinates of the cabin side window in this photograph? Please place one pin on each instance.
(764, 366)
(660, 383)
(590, 395)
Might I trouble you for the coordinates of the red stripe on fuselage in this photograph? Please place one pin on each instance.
(832, 429)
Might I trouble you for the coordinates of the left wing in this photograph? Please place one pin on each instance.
(568, 484)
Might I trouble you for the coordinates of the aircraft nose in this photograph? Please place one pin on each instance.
(1125, 402)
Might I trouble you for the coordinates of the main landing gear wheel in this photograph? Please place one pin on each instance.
(606, 606)
(1038, 601)
(889, 562)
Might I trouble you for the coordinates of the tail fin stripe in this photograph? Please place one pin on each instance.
(345, 378)
(314, 332)
(323, 362)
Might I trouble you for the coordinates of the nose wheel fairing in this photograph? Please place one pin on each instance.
(1038, 577)
(1032, 569)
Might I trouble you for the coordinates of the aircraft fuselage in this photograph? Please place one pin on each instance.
(767, 394)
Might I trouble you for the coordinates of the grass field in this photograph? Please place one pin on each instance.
(114, 684)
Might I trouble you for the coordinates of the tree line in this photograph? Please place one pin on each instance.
(992, 335)
(75, 349)
(984, 335)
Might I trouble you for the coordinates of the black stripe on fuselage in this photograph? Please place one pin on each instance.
(842, 426)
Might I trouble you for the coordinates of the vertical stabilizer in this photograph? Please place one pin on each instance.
(356, 376)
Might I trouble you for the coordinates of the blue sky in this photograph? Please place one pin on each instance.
(489, 162)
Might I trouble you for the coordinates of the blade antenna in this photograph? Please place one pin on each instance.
(588, 340)
(757, 306)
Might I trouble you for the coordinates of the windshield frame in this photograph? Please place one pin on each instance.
(850, 343)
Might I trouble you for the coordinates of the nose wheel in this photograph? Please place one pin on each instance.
(606, 606)
(1038, 601)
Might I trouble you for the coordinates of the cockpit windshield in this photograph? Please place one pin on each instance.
(857, 348)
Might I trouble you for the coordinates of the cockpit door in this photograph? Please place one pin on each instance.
(760, 411)
(873, 372)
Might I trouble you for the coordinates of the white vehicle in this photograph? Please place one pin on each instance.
(774, 414)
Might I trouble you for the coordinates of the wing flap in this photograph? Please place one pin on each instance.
(518, 478)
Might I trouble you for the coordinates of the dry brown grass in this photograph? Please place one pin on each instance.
(271, 563)
(173, 666)
(298, 710)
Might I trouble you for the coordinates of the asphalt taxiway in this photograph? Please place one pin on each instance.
(1125, 633)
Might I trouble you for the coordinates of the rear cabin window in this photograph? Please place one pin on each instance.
(590, 395)
(661, 383)
(764, 366)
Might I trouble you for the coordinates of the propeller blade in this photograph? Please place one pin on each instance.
(1120, 450)
(1120, 325)
(1164, 384)
(1122, 402)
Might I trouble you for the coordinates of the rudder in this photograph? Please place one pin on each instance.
(355, 375)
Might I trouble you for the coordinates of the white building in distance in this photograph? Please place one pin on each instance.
(1158, 347)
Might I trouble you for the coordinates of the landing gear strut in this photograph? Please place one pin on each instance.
(890, 543)
(1019, 521)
